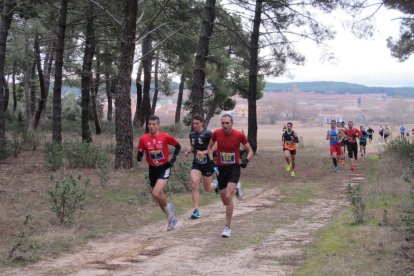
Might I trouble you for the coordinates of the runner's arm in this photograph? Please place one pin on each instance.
(210, 150)
(189, 150)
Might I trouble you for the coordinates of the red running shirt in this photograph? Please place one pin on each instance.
(156, 147)
(352, 135)
(228, 146)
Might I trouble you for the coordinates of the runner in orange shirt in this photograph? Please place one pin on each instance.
(289, 144)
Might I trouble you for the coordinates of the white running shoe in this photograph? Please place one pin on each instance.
(226, 232)
(170, 212)
(239, 193)
(171, 224)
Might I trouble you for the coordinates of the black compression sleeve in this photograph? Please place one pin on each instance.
(177, 149)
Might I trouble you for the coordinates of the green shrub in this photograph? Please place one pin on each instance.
(358, 204)
(181, 173)
(84, 155)
(66, 197)
(23, 248)
(102, 166)
(402, 147)
(4, 149)
(16, 144)
(54, 156)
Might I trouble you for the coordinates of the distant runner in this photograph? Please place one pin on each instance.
(202, 167)
(335, 136)
(370, 132)
(228, 149)
(155, 145)
(289, 144)
(381, 133)
(351, 135)
(402, 132)
(344, 143)
(363, 140)
(387, 133)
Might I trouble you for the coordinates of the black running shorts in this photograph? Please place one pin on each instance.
(228, 174)
(205, 169)
(352, 150)
(292, 152)
(160, 172)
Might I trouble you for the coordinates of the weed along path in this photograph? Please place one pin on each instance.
(272, 228)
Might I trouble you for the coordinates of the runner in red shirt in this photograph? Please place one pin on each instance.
(155, 145)
(351, 136)
(228, 161)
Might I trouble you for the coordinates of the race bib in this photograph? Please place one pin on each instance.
(156, 155)
(334, 138)
(289, 143)
(201, 159)
(227, 157)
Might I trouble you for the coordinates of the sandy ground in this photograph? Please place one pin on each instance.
(269, 237)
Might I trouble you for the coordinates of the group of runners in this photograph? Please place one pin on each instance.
(219, 153)
(215, 152)
(345, 139)
(405, 133)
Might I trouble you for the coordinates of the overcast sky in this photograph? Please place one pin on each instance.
(362, 61)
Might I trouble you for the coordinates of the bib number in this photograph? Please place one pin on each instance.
(228, 157)
(201, 160)
(289, 143)
(156, 155)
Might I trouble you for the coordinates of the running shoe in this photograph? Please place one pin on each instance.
(352, 167)
(292, 173)
(287, 168)
(336, 169)
(171, 224)
(196, 214)
(239, 193)
(215, 184)
(226, 232)
(170, 212)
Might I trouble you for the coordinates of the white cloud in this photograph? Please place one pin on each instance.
(363, 61)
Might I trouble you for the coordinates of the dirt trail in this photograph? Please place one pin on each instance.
(269, 237)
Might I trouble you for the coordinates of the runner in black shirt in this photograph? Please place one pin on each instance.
(370, 133)
(202, 165)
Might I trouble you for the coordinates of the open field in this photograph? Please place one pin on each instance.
(121, 232)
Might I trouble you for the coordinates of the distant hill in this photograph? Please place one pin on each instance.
(322, 87)
(331, 87)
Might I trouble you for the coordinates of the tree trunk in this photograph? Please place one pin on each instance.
(6, 93)
(43, 92)
(155, 96)
(199, 76)
(95, 89)
(27, 77)
(47, 71)
(112, 90)
(138, 121)
(180, 99)
(32, 91)
(57, 88)
(253, 70)
(123, 123)
(5, 22)
(86, 75)
(210, 112)
(109, 84)
(147, 56)
(14, 88)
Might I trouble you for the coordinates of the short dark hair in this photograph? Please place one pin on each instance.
(333, 121)
(198, 117)
(154, 118)
(229, 116)
(289, 123)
